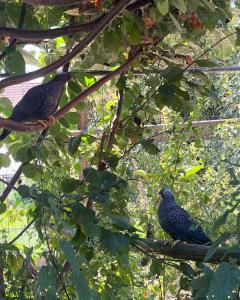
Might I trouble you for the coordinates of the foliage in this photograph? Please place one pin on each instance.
(89, 251)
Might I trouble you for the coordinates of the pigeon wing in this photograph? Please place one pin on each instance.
(184, 226)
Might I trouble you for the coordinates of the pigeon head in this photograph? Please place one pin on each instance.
(64, 77)
(167, 194)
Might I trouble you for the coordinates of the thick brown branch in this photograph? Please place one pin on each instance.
(39, 35)
(112, 14)
(187, 251)
(52, 2)
(6, 123)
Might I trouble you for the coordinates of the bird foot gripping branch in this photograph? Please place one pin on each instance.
(39, 103)
(48, 122)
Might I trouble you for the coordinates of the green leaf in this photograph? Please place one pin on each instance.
(3, 208)
(47, 279)
(237, 41)
(99, 197)
(4, 160)
(163, 6)
(24, 191)
(205, 63)
(69, 185)
(156, 267)
(175, 22)
(115, 242)
(225, 282)
(5, 106)
(25, 154)
(13, 12)
(209, 5)
(181, 5)
(187, 270)
(215, 245)
(193, 171)
(111, 40)
(78, 279)
(238, 226)
(15, 63)
(222, 219)
(150, 147)
(74, 143)
(86, 218)
(123, 223)
(31, 171)
(72, 117)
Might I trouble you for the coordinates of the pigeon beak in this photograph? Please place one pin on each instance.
(161, 192)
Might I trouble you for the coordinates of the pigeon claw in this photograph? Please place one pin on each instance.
(44, 123)
(174, 243)
(52, 119)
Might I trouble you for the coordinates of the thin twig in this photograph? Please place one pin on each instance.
(22, 232)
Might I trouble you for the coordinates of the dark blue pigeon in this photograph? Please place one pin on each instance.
(177, 222)
(39, 103)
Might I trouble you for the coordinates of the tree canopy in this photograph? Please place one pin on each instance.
(146, 75)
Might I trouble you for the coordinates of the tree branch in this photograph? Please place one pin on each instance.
(39, 35)
(112, 14)
(22, 232)
(52, 2)
(6, 123)
(13, 43)
(187, 251)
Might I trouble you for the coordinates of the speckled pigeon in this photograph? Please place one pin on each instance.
(177, 222)
(39, 103)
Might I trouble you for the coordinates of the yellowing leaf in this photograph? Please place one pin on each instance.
(140, 173)
(193, 170)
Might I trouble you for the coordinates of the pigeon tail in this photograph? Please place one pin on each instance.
(5, 133)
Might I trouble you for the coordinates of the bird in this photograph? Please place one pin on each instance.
(178, 223)
(39, 103)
